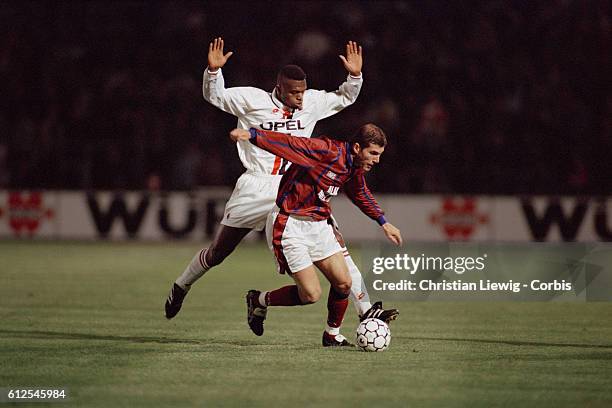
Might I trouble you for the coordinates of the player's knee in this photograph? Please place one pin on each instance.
(344, 287)
(310, 296)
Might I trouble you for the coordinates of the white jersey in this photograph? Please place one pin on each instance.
(256, 108)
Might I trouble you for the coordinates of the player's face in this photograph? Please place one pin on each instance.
(367, 157)
(291, 92)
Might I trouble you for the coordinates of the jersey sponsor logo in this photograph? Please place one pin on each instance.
(281, 126)
(327, 195)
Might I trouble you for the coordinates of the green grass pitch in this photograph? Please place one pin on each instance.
(89, 317)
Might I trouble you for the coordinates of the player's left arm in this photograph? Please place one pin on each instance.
(358, 192)
(347, 93)
(393, 234)
(299, 150)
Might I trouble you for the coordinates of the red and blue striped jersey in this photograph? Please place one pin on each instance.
(320, 168)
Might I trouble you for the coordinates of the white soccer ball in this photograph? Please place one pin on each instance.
(373, 335)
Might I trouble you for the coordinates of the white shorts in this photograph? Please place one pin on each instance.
(297, 242)
(251, 201)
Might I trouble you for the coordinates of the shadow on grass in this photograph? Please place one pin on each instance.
(46, 335)
(512, 342)
(50, 335)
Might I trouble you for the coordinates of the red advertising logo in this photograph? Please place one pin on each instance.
(25, 212)
(459, 218)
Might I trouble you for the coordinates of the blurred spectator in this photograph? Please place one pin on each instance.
(312, 45)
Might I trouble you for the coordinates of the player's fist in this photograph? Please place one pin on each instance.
(216, 58)
(240, 134)
(354, 58)
(393, 234)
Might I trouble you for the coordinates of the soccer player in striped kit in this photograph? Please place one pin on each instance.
(298, 231)
(290, 108)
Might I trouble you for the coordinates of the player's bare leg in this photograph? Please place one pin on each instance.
(226, 240)
(308, 285)
(307, 290)
(336, 271)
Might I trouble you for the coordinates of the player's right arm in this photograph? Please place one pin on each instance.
(299, 150)
(330, 103)
(230, 100)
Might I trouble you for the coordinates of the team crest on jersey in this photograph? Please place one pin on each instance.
(332, 175)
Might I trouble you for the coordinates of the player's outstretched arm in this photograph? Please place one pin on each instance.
(353, 61)
(216, 58)
(302, 151)
(330, 103)
(392, 233)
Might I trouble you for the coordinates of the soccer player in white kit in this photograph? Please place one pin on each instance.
(292, 109)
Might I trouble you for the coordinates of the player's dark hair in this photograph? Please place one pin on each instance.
(292, 72)
(370, 134)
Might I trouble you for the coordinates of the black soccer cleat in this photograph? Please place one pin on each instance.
(175, 301)
(255, 314)
(377, 312)
(329, 340)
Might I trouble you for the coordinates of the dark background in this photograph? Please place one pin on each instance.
(493, 97)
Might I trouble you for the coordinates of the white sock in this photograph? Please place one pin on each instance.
(262, 299)
(359, 293)
(334, 331)
(194, 271)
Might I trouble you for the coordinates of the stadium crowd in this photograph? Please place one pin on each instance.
(487, 97)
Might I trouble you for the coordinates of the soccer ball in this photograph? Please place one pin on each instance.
(373, 335)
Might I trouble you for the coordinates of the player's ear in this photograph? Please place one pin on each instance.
(356, 148)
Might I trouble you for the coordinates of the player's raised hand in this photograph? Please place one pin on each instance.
(393, 234)
(354, 58)
(216, 58)
(240, 134)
